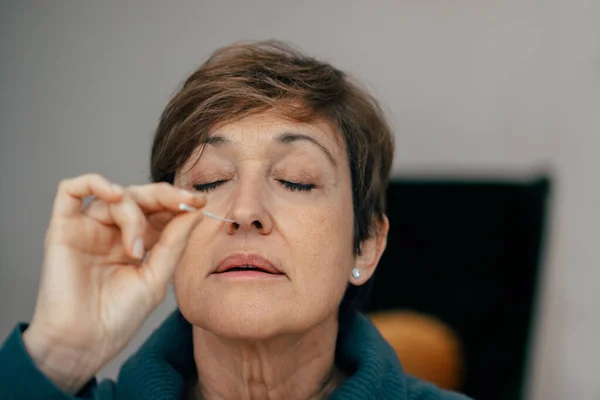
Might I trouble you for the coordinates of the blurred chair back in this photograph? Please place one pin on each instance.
(468, 253)
(426, 346)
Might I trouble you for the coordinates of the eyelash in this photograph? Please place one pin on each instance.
(207, 187)
(292, 186)
(297, 186)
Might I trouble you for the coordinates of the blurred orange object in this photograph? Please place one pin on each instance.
(427, 348)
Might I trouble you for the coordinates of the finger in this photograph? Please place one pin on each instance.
(71, 192)
(128, 216)
(160, 219)
(156, 223)
(168, 251)
(89, 236)
(163, 196)
(154, 199)
(100, 211)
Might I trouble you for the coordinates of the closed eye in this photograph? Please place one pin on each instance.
(207, 187)
(297, 186)
(292, 186)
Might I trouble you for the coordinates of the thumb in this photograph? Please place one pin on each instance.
(166, 254)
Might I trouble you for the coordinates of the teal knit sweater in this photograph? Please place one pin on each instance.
(163, 365)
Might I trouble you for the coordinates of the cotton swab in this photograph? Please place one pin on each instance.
(211, 215)
(185, 207)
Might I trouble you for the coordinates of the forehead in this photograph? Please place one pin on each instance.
(260, 130)
(264, 127)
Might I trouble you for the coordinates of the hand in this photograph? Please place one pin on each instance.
(98, 285)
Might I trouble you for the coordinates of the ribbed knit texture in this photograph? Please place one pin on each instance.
(165, 362)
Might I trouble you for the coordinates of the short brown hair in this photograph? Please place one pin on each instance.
(246, 78)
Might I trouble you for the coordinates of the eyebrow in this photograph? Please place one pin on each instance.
(215, 140)
(289, 138)
(284, 138)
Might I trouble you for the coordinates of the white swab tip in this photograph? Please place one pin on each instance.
(185, 207)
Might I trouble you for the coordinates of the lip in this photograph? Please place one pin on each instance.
(241, 259)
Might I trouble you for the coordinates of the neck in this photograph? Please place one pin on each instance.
(292, 366)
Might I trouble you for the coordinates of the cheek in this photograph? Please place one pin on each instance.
(194, 266)
(322, 241)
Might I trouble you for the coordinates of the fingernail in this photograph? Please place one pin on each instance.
(138, 248)
(116, 188)
(185, 207)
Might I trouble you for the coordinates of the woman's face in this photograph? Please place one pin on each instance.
(287, 186)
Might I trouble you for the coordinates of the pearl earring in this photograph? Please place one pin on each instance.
(356, 273)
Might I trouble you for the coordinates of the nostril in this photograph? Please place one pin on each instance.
(236, 226)
(258, 225)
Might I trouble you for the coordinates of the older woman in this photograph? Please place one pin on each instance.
(293, 158)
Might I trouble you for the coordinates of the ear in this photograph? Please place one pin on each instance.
(371, 250)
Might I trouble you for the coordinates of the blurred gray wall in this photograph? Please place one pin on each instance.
(502, 87)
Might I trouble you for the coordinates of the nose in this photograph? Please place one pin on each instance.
(248, 210)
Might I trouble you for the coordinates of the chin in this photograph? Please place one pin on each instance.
(244, 317)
